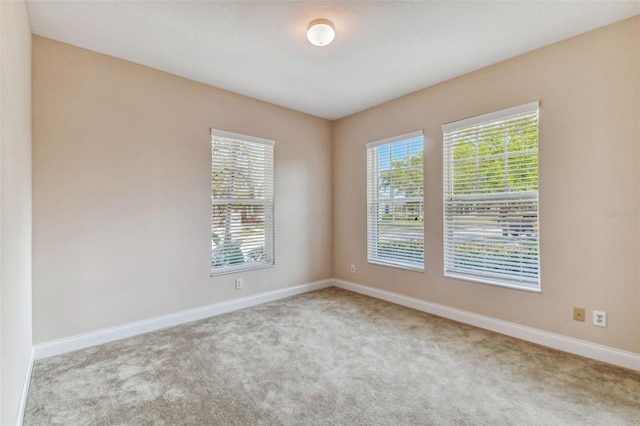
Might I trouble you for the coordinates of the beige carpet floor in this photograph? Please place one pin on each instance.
(329, 357)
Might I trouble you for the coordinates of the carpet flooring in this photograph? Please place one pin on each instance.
(330, 357)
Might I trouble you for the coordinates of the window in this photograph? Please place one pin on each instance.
(241, 202)
(491, 198)
(395, 202)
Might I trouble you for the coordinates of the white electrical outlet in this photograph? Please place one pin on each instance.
(238, 283)
(600, 318)
(353, 269)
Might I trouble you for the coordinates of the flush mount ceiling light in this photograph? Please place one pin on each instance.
(320, 32)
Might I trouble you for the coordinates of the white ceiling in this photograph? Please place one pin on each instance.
(382, 50)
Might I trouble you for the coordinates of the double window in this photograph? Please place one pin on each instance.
(395, 202)
(241, 202)
(491, 198)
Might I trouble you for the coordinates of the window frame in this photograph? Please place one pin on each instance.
(515, 281)
(267, 202)
(373, 252)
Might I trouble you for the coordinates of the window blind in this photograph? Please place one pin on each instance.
(491, 229)
(395, 202)
(242, 201)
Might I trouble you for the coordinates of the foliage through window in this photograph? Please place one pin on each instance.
(241, 202)
(491, 232)
(395, 202)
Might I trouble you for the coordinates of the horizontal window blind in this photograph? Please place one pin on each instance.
(242, 202)
(491, 228)
(395, 202)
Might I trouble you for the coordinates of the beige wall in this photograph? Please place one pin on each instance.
(588, 89)
(15, 205)
(122, 192)
(121, 188)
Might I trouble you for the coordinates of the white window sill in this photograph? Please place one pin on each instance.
(240, 268)
(414, 268)
(495, 282)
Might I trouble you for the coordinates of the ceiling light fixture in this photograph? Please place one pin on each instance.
(320, 32)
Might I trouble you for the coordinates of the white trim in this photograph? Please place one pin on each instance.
(567, 344)
(406, 136)
(57, 347)
(494, 281)
(251, 266)
(240, 137)
(556, 341)
(492, 116)
(406, 266)
(25, 389)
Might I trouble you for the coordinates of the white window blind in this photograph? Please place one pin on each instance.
(395, 202)
(242, 231)
(491, 198)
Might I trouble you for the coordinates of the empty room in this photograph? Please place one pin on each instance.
(319, 212)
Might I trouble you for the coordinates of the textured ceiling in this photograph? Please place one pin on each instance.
(382, 50)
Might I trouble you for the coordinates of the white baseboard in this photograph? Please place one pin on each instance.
(567, 344)
(57, 347)
(25, 389)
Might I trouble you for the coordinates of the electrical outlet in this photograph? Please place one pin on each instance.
(578, 314)
(600, 318)
(238, 283)
(353, 269)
